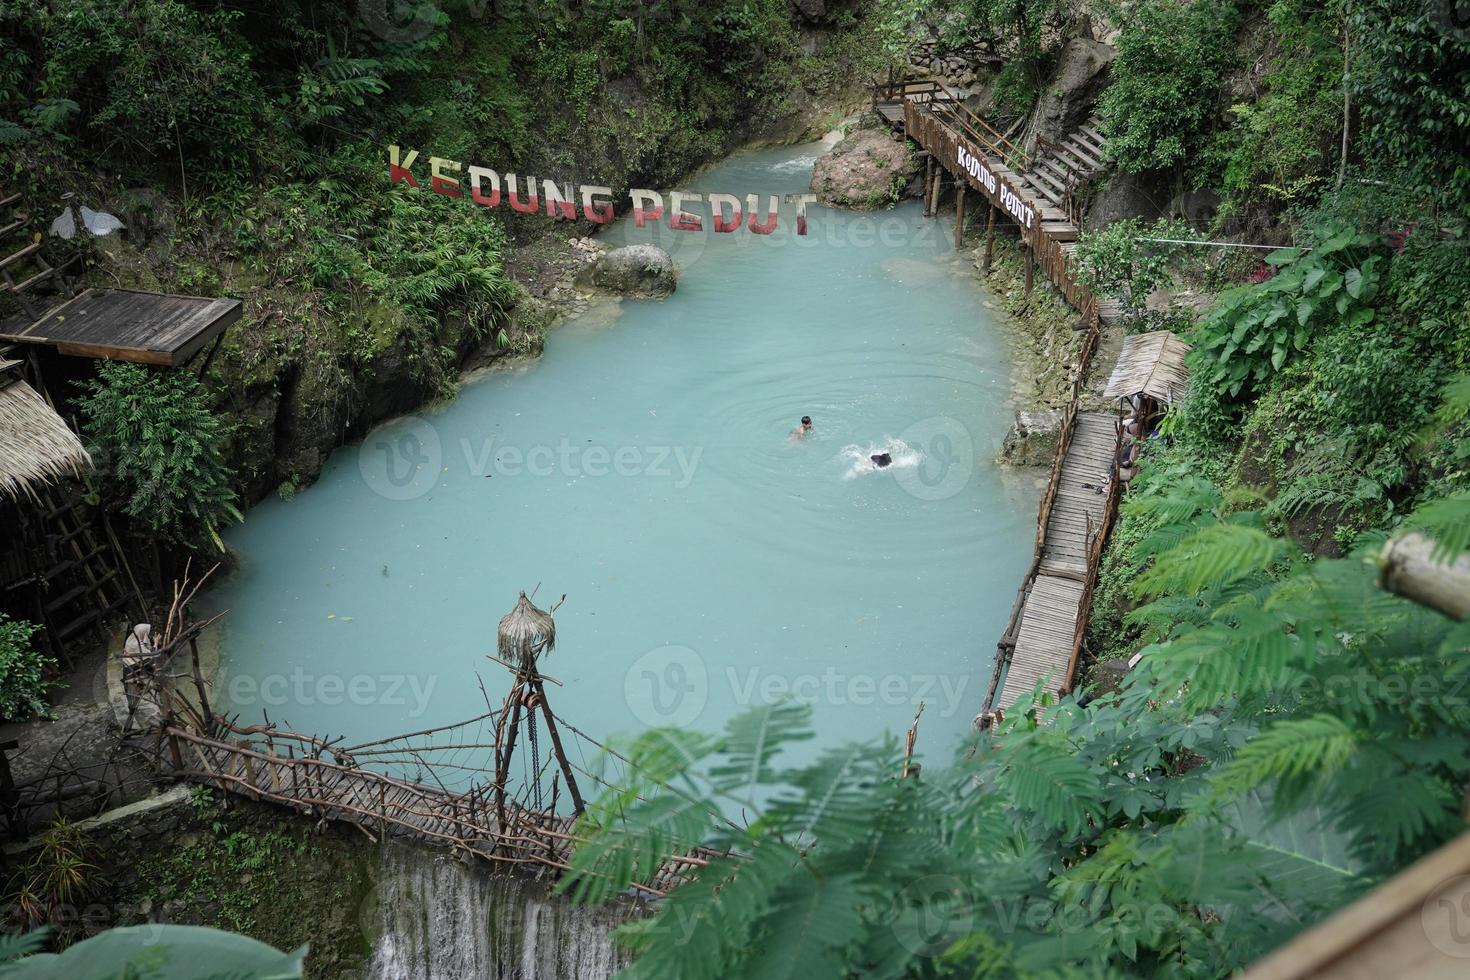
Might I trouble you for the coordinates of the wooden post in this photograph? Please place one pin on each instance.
(959, 214)
(1407, 568)
(1030, 264)
(502, 761)
(928, 183)
(934, 191)
(561, 756)
(204, 709)
(989, 238)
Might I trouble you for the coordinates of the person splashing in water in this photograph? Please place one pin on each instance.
(801, 430)
(881, 460)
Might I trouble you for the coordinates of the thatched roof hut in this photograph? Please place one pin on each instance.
(526, 632)
(36, 445)
(1151, 364)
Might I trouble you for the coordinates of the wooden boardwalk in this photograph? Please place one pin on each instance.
(1052, 616)
(1036, 189)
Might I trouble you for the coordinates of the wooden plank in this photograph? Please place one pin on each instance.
(1410, 926)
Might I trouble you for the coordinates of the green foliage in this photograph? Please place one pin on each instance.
(162, 450)
(161, 951)
(1114, 261)
(59, 876)
(1025, 33)
(228, 871)
(1294, 735)
(1282, 145)
(158, 73)
(23, 671)
(1251, 334)
(1411, 76)
(1160, 110)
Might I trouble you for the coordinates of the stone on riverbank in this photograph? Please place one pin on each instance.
(639, 271)
(868, 169)
(1032, 440)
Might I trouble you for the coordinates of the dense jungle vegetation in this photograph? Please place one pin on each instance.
(1292, 734)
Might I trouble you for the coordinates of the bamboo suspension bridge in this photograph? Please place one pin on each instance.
(452, 785)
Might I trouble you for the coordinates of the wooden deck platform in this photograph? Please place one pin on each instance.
(128, 325)
(1046, 641)
(1078, 508)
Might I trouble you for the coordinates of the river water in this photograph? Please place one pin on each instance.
(642, 467)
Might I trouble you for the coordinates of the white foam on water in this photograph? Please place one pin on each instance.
(860, 462)
(795, 165)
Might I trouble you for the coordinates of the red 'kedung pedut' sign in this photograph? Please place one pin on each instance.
(488, 188)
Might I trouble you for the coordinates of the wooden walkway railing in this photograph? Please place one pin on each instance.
(1043, 639)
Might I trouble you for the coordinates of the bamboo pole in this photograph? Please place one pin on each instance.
(1407, 568)
(561, 756)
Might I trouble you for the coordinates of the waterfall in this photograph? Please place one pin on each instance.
(437, 917)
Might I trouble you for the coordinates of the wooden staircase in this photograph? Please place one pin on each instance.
(27, 275)
(1059, 172)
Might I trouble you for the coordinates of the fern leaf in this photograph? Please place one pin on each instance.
(1211, 556)
(1293, 750)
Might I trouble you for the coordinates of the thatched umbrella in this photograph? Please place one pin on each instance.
(526, 632)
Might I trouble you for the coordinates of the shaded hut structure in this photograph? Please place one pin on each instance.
(57, 566)
(1150, 375)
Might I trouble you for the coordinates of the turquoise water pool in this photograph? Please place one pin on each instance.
(643, 468)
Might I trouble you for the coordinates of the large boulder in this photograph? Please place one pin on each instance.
(868, 169)
(1033, 439)
(639, 271)
(1069, 98)
(1124, 195)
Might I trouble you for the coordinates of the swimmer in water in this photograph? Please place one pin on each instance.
(881, 460)
(801, 430)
